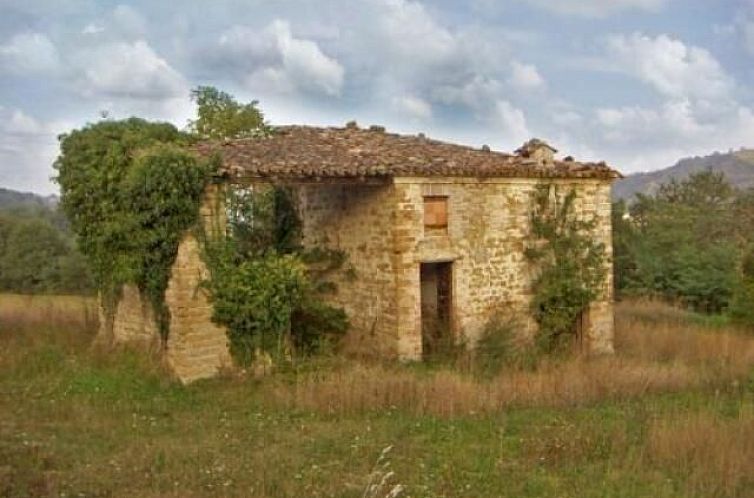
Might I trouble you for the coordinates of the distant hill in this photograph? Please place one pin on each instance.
(737, 166)
(12, 199)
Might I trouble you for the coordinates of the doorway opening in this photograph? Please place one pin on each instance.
(436, 306)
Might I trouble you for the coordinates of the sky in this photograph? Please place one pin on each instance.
(637, 83)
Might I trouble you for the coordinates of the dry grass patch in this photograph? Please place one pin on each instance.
(358, 388)
(85, 422)
(658, 349)
(20, 311)
(714, 454)
(653, 331)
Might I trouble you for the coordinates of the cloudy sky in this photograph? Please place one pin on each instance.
(639, 83)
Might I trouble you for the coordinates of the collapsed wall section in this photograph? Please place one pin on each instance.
(196, 347)
(132, 320)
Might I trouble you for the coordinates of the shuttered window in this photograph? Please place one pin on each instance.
(436, 212)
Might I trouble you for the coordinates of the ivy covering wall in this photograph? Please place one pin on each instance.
(132, 188)
(570, 265)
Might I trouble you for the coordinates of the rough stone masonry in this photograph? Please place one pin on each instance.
(431, 230)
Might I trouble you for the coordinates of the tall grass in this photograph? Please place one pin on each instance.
(39, 332)
(714, 454)
(655, 332)
(359, 388)
(658, 350)
(111, 423)
(20, 312)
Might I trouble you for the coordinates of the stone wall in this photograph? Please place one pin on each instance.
(488, 228)
(358, 220)
(197, 347)
(382, 230)
(132, 322)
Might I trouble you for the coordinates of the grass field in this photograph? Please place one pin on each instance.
(672, 414)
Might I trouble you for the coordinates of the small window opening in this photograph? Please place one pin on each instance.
(436, 212)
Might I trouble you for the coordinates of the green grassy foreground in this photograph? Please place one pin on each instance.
(677, 421)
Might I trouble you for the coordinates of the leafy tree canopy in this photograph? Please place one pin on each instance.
(685, 242)
(221, 117)
(38, 257)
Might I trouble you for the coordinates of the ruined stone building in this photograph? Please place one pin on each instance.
(435, 232)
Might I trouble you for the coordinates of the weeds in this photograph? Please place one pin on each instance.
(381, 479)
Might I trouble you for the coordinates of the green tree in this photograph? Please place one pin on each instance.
(131, 188)
(742, 302)
(624, 244)
(266, 288)
(221, 117)
(92, 167)
(682, 242)
(38, 253)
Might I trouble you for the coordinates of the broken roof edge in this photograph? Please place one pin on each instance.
(313, 153)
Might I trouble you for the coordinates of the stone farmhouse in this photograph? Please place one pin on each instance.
(435, 232)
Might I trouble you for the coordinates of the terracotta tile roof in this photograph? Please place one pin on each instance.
(304, 152)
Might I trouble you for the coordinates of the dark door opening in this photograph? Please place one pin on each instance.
(436, 306)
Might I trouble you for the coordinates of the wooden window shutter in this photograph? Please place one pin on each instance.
(436, 211)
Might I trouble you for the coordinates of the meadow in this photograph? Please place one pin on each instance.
(671, 414)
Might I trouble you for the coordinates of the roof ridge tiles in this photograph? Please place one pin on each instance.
(298, 151)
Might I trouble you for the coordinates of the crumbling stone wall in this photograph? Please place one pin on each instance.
(131, 322)
(196, 347)
(380, 227)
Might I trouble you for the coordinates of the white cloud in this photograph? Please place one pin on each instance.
(477, 93)
(274, 59)
(597, 8)
(29, 53)
(123, 23)
(19, 123)
(27, 149)
(511, 122)
(671, 67)
(92, 29)
(128, 70)
(567, 117)
(129, 22)
(411, 34)
(674, 121)
(525, 77)
(413, 107)
(642, 138)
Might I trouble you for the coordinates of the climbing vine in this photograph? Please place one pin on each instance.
(130, 188)
(569, 262)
